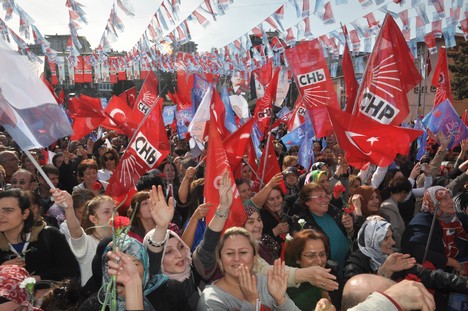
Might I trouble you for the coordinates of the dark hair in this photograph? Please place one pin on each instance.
(84, 165)
(296, 246)
(55, 157)
(146, 181)
(50, 169)
(24, 204)
(114, 154)
(240, 181)
(63, 296)
(176, 172)
(135, 205)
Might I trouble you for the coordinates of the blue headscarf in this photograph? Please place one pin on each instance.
(133, 247)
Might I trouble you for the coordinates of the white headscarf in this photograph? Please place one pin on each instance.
(370, 238)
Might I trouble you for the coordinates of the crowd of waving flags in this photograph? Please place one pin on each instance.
(368, 129)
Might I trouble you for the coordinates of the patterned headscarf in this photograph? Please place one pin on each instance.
(431, 199)
(314, 176)
(370, 238)
(133, 247)
(11, 277)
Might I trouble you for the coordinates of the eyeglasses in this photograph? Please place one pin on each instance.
(109, 158)
(315, 255)
(320, 197)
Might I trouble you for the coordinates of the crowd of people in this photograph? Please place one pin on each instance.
(339, 238)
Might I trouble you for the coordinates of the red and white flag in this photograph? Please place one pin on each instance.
(147, 96)
(119, 117)
(298, 115)
(313, 79)
(84, 126)
(351, 84)
(389, 75)
(236, 144)
(149, 147)
(28, 111)
(85, 106)
(129, 97)
(441, 79)
(366, 140)
(216, 164)
(264, 105)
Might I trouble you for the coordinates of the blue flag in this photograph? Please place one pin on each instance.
(306, 150)
(422, 140)
(230, 120)
(444, 118)
(168, 114)
(295, 137)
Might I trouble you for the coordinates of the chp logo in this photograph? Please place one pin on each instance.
(377, 108)
(312, 77)
(147, 101)
(145, 150)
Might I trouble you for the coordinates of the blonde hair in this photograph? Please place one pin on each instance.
(234, 231)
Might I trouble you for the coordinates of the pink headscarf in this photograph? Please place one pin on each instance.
(11, 277)
(188, 259)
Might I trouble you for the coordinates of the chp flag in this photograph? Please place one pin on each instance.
(28, 111)
(389, 76)
(148, 148)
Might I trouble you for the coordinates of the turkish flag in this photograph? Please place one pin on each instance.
(389, 75)
(216, 164)
(236, 144)
(264, 74)
(119, 117)
(129, 97)
(441, 79)
(86, 107)
(365, 140)
(147, 97)
(184, 90)
(84, 126)
(146, 151)
(264, 105)
(351, 84)
(268, 167)
(313, 79)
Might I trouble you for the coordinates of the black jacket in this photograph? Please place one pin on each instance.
(358, 263)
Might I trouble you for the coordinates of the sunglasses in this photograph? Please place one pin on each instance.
(109, 158)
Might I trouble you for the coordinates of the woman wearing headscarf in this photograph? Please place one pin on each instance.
(12, 295)
(448, 244)
(137, 252)
(376, 255)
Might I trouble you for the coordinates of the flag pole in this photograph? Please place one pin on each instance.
(43, 174)
(421, 67)
(266, 160)
(426, 74)
(431, 231)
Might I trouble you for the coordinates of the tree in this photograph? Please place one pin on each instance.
(459, 69)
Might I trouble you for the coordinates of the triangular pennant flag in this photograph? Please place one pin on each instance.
(441, 79)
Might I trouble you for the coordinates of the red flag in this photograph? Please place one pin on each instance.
(147, 97)
(313, 79)
(366, 140)
(84, 126)
(268, 167)
(428, 64)
(236, 144)
(146, 151)
(129, 97)
(389, 75)
(351, 84)
(216, 164)
(465, 117)
(120, 117)
(441, 79)
(87, 69)
(264, 105)
(184, 90)
(264, 74)
(79, 70)
(298, 115)
(85, 106)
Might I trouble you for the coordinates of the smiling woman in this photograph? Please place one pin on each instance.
(240, 288)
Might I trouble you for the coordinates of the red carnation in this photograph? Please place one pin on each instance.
(338, 190)
(97, 186)
(349, 210)
(412, 277)
(121, 222)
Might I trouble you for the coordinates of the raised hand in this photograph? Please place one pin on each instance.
(62, 198)
(161, 211)
(123, 267)
(278, 282)
(356, 201)
(225, 190)
(248, 284)
(275, 180)
(201, 211)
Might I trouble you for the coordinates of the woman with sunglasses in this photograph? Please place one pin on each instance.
(109, 161)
